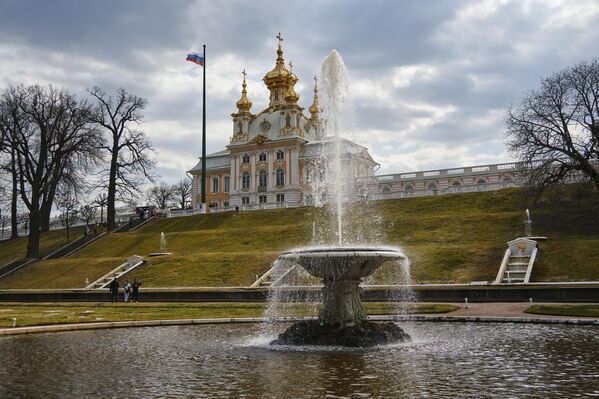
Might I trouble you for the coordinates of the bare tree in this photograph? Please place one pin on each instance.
(8, 113)
(4, 220)
(53, 142)
(87, 214)
(128, 150)
(182, 193)
(101, 200)
(67, 203)
(555, 129)
(161, 195)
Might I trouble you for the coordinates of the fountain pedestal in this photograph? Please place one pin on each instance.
(341, 303)
(342, 319)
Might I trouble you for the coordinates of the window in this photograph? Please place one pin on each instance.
(280, 155)
(245, 200)
(432, 187)
(456, 183)
(245, 180)
(288, 121)
(226, 204)
(386, 191)
(245, 158)
(280, 177)
(262, 157)
(409, 188)
(280, 197)
(226, 184)
(214, 185)
(240, 127)
(262, 178)
(213, 204)
(481, 181)
(262, 199)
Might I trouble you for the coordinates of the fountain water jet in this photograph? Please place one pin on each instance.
(341, 266)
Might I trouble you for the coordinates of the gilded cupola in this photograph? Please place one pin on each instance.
(244, 104)
(290, 95)
(315, 107)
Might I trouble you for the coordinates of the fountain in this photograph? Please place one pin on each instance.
(527, 224)
(163, 249)
(342, 265)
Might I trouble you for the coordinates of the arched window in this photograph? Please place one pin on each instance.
(456, 183)
(262, 178)
(280, 177)
(408, 188)
(280, 155)
(288, 121)
(262, 157)
(432, 187)
(507, 179)
(226, 184)
(240, 127)
(245, 158)
(386, 191)
(245, 180)
(481, 181)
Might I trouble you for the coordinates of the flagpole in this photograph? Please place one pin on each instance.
(203, 206)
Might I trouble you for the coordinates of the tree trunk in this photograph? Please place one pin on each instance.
(33, 244)
(110, 206)
(14, 226)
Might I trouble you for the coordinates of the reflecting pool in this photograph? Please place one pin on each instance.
(232, 361)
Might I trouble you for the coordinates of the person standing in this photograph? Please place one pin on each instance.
(135, 289)
(127, 290)
(114, 290)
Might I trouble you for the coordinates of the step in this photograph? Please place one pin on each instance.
(512, 280)
(517, 268)
(517, 263)
(512, 272)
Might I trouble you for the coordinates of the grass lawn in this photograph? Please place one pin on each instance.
(63, 313)
(586, 310)
(455, 238)
(49, 242)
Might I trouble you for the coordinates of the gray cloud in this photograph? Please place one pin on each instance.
(432, 79)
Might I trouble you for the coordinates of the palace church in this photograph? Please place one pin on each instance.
(274, 155)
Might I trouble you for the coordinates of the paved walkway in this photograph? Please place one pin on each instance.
(503, 309)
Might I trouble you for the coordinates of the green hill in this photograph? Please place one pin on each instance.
(449, 239)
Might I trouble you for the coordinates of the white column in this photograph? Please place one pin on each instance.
(295, 167)
(253, 173)
(271, 181)
(287, 166)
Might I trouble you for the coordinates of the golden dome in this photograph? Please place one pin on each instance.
(243, 104)
(290, 95)
(315, 107)
(279, 74)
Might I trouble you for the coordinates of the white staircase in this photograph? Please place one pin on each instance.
(132, 263)
(518, 261)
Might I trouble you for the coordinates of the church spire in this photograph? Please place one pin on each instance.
(315, 107)
(243, 104)
(277, 80)
(290, 95)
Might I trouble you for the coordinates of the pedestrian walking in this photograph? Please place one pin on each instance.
(127, 290)
(135, 290)
(114, 290)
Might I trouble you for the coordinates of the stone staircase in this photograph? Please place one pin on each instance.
(515, 271)
(518, 261)
(132, 263)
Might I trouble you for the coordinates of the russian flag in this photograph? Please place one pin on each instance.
(195, 58)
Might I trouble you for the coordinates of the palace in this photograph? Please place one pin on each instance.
(274, 157)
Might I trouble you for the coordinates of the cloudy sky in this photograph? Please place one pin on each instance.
(430, 81)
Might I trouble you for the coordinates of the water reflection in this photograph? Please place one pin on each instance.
(445, 360)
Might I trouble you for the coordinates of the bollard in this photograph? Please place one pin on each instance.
(466, 303)
(530, 300)
(14, 322)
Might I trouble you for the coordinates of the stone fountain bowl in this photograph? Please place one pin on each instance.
(341, 263)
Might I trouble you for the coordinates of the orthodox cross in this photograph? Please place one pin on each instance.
(280, 38)
(244, 74)
(290, 67)
(315, 80)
